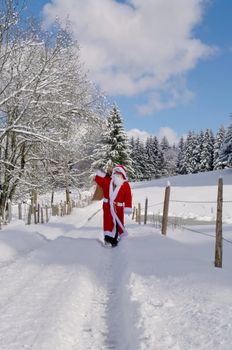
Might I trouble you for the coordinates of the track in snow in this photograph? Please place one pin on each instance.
(67, 294)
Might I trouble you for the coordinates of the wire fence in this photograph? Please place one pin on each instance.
(41, 212)
(165, 217)
(205, 234)
(207, 215)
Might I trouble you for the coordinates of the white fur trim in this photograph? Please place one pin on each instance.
(113, 195)
(118, 204)
(109, 233)
(100, 173)
(120, 170)
(124, 234)
(128, 210)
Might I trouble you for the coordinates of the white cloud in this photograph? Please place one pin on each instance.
(173, 93)
(140, 46)
(142, 134)
(169, 133)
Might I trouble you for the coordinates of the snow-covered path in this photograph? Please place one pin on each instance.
(61, 290)
(46, 305)
(64, 294)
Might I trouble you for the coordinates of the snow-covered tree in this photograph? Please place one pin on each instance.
(171, 160)
(167, 163)
(148, 159)
(102, 148)
(115, 147)
(156, 158)
(151, 158)
(225, 155)
(180, 156)
(142, 168)
(219, 139)
(160, 170)
(196, 155)
(199, 148)
(44, 98)
(190, 161)
(134, 158)
(207, 151)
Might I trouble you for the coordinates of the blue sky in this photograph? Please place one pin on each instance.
(181, 84)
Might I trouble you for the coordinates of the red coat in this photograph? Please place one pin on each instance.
(116, 202)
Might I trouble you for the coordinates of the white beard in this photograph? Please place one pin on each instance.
(117, 179)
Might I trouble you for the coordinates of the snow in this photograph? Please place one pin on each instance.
(191, 196)
(62, 290)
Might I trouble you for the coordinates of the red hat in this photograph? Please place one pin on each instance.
(120, 170)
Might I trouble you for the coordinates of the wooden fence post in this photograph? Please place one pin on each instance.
(42, 215)
(133, 214)
(218, 244)
(52, 198)
(35, 216)
(145, 211)
(46, 211)
(139, 213)
(61, 209)
(29, 215)
(20, 211)
(9, 212)
(165, 210)
(38, 213)
(69, 208)
(65, 208)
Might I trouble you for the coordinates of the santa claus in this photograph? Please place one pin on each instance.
(117, 200)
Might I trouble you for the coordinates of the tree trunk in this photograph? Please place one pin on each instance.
(67, 194)
(52, 198)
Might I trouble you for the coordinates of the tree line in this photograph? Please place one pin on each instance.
(198, 152)
(50, 112)
(154, 158)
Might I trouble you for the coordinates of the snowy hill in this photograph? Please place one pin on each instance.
(192, 196)
(191, 180)
(61, 290)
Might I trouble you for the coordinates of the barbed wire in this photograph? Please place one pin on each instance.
(227, 240)
(154, 205)
(182, 201)
(179, 201)
(205, 234)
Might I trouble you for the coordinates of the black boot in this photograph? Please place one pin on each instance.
(111, 240)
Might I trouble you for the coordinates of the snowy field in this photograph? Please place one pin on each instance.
(62, 290)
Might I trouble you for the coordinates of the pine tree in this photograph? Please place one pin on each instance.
(164, 144)
(207, 151)
(115, 147)
(165, 147)
(102, 149)
(180, 156)
(225, 156)
(151, 162)
(143, 161)
(196, 145)
(158, 159)
(219, 139)
(190, 163)
(200, 141)
(135, 160)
